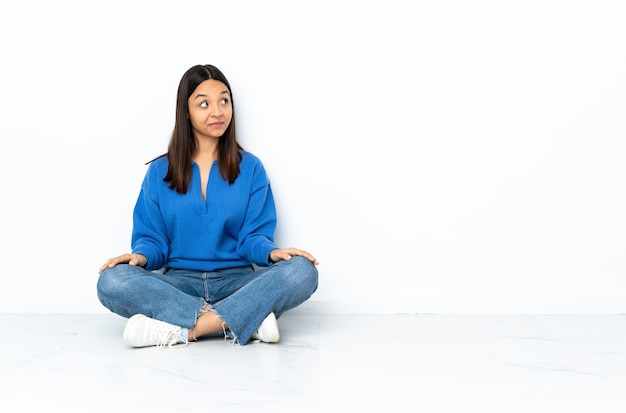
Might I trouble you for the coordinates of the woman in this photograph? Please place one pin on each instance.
(205, 219)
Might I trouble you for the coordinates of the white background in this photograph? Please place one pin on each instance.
(436, 156)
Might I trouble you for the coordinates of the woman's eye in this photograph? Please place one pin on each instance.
(224, 101)
(204, 104)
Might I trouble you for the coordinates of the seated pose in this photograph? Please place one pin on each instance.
(203, 258)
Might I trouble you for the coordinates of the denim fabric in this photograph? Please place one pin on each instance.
(242, 296)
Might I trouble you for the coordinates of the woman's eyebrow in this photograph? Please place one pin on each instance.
(202, 95)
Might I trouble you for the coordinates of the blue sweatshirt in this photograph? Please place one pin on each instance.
(234, 227)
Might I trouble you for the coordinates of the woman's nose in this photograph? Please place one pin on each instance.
(216, 110)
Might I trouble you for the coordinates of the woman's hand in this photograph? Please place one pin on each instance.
(130, 259)
(286, 254)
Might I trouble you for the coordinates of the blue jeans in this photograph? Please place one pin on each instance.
(241, 296)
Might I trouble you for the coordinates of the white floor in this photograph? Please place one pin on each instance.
(323, 363)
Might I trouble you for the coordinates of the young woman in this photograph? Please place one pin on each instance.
(205, 219)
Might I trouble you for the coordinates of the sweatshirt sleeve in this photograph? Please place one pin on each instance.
(256, 239)
(149, 236)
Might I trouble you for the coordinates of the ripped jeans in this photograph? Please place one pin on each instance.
(241, 296)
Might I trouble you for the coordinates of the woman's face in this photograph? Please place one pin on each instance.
(210, 109)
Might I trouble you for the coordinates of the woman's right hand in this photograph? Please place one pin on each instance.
(130, 259)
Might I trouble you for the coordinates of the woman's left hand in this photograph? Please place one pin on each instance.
(286, 254)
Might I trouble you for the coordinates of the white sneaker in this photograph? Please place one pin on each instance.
(268, 330)
(143, 331)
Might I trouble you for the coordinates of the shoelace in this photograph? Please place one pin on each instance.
(166, 340)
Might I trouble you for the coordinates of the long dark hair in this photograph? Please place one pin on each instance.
(183, 145)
